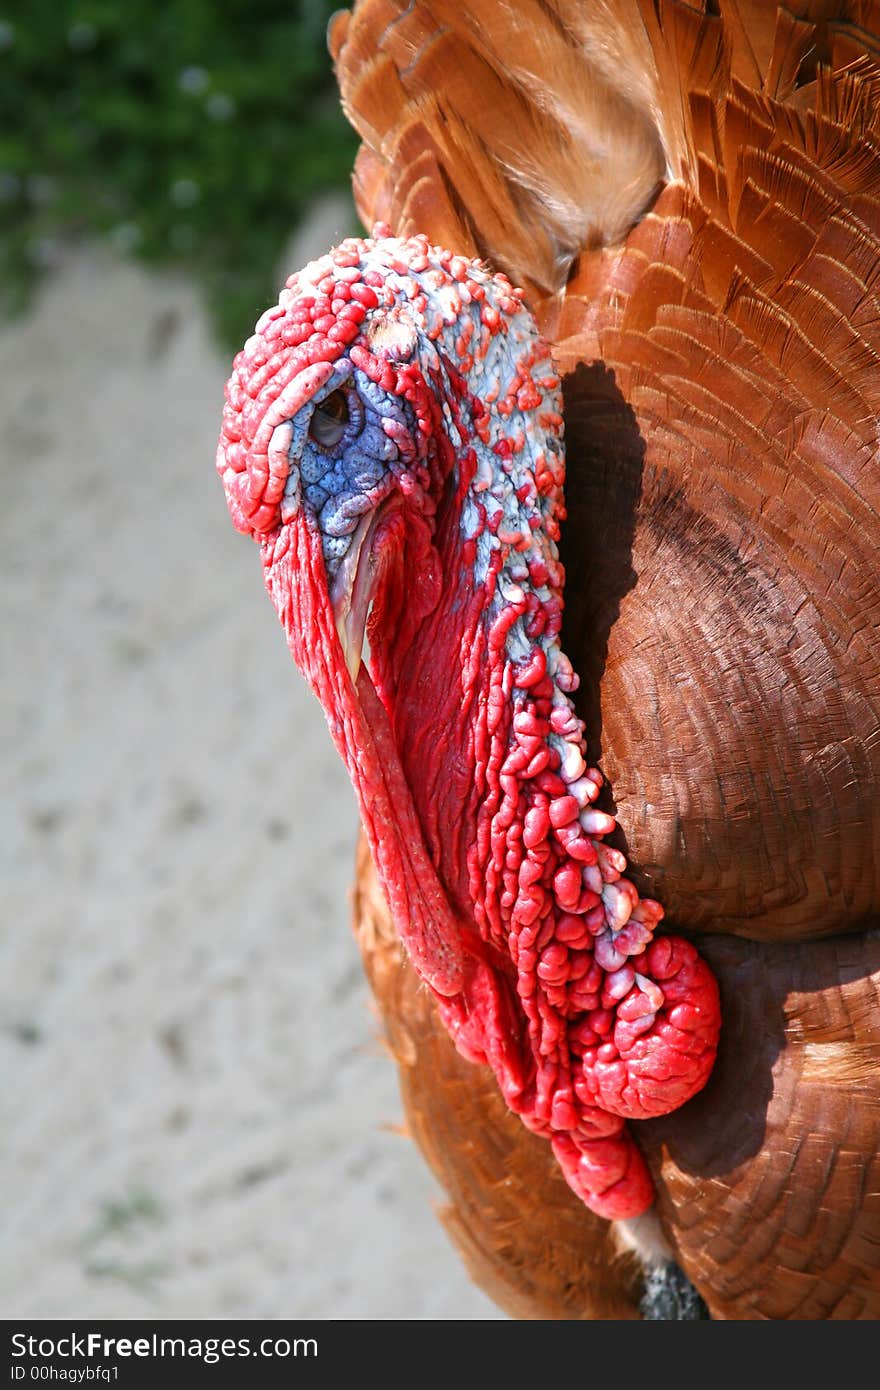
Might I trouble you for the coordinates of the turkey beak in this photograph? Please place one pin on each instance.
(352, 643)
(351, 593)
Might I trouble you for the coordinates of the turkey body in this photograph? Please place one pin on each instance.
(689, 194)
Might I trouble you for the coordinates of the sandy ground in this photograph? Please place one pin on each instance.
(196, 1113)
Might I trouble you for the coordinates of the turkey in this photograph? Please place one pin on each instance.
(630, 247)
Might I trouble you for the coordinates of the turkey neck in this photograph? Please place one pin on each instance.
(498, 606)
(494, 753)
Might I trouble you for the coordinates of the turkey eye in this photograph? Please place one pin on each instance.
(329, 420)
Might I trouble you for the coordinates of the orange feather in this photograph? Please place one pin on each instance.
(689, 193)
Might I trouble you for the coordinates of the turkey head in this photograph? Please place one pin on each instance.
(393, 439)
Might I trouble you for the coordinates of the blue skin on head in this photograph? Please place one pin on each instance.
(341, 457)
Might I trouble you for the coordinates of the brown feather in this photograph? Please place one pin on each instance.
(541, 125)
(720, 341)
(774, 1168)
(771, 1176)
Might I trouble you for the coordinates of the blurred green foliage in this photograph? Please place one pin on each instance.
(185, 131)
